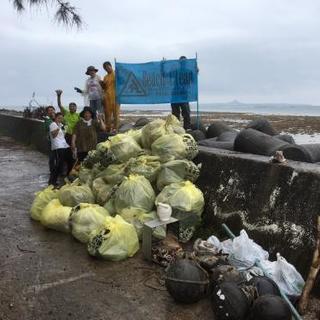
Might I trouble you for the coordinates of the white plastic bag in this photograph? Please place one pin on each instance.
(244, 252)
(285, 275)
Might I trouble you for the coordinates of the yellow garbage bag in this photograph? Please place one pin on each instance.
(42, 198)
(124, 147)
(137, 217)
(183, 197)
(116, 240)
(178, 146)
(55, 216)
(159, 128)
(72, 195)
(101, 190)
(134, 191)
(85, 218)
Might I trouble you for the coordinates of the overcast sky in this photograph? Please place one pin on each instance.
(249, 50)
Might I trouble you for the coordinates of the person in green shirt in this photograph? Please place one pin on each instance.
(48, 119)
(71, 117)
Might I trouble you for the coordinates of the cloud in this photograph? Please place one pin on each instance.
(250, 50)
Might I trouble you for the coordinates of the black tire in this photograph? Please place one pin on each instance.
(228, 136)
(262, 125)
(213, 143)
(194, 125)
(216, 128)
(285, 137)
(297, 153)
(314, 151)
(256, 142)
(125, 127)
(141, 122)
(198, 135)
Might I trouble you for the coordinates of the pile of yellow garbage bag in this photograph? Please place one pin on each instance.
(118, 187)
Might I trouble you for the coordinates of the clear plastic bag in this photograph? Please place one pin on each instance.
(244, 252)
(285, 275)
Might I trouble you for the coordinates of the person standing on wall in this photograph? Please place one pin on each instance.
(60, 149)
(111, 108)
(93, 90)
(182, 108)
(48, 119)
(71, 117)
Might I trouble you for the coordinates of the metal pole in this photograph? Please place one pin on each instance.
(258, 264)
(198, 118)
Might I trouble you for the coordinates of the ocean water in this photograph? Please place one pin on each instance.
(265, 109)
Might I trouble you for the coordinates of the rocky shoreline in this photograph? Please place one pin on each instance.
(306, 129)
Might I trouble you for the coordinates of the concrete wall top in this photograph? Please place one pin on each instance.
(27, 131)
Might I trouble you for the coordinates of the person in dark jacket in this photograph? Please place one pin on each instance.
(85, 138)
(182, 107)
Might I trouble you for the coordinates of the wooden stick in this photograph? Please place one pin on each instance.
(314, 270)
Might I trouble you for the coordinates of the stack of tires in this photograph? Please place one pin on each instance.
(259, 137)
(219, 135)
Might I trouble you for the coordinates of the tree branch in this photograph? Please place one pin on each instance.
(314, 270)
(65, 13)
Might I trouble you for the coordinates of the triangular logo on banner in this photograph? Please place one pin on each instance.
(132, 87)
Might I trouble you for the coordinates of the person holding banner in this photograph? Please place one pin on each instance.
(93, 91)
(111, 108)
(182, 107)
(166, 81)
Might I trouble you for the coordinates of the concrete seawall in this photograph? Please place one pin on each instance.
(27, 131)
(276, 204)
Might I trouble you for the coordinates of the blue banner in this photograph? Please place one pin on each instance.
(166, 81)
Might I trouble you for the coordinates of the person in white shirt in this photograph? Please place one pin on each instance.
(93, 90)
(61, 150)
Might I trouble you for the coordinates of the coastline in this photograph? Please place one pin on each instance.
(305, 129)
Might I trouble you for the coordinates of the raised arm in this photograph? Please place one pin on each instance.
(59, 93)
